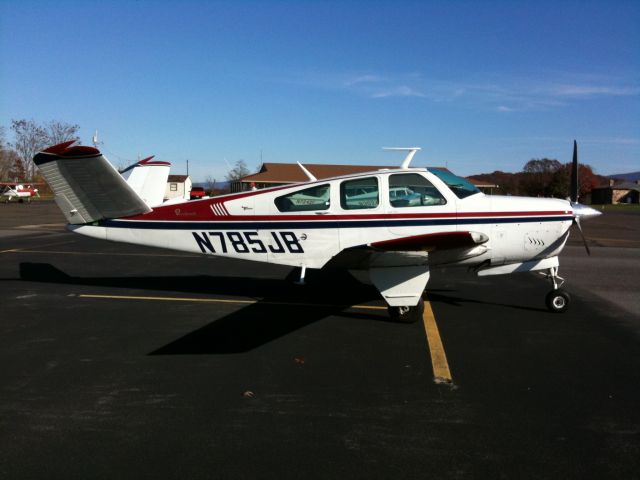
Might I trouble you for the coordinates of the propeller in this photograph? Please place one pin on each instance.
(579, 210)
(576, 222)
(573, 192)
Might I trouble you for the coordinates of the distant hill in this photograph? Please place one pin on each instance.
(220, 185)
(627, 177)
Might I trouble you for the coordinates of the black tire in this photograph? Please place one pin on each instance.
(558, 301)
(407, 314)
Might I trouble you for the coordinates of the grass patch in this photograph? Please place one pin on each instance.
(620, 207)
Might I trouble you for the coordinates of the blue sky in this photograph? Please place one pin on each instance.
(480, 86)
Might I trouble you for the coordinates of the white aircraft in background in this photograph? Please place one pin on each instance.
(441, 220)
(148, 178)
(20, 191)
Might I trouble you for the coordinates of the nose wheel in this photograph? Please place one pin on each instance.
(407, 314)
(557, 300)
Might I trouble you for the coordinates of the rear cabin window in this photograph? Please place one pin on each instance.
(359, 194)
(413, 190)
(314, 198)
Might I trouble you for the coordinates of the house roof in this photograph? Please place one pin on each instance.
(481, 183)
(620, 186)
(177, 178)
(292, 173)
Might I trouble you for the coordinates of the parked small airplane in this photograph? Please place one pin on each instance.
(148, 178)
(396, 224)
(25, 191)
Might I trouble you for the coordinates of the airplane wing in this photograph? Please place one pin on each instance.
(86, 186)
(411, 250)
(399, 267)
(431, 242)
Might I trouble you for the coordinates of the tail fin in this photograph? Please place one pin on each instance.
(148, 179)
(87, 187)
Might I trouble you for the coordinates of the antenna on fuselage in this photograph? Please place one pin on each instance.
(307, 173)
(407, 160)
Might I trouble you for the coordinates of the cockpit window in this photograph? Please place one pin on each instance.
(314, 198)
(413, 190)
(458, 185)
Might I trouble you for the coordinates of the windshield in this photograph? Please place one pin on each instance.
(458, 185)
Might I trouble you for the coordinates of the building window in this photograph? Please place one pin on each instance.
(359, 194)
(314, 198)
(173, 187)
(413, 190)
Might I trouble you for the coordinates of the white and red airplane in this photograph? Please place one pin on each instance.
(20, 191)
(395, 224)
(148, 178)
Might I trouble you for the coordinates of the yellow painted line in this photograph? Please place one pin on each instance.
(169, 299)
(42, 225)
(228, 301)
(441, 372)
(23, 250)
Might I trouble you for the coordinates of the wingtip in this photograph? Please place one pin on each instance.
(60, 148)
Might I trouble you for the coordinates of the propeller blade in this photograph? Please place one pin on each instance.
(576, 220)
(573, 192)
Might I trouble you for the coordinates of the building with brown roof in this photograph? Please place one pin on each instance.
(483, 185)
(178, 186)
(276, 174)
(616, 192)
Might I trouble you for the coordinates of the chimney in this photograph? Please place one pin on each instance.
(612, 182)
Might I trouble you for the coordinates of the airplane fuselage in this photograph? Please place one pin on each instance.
(263, 226)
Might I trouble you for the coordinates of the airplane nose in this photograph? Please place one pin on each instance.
(583, 212)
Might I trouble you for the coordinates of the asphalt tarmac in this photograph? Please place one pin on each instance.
(127, 362)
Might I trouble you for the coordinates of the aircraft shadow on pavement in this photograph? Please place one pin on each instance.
(456, 301)
(281, 308)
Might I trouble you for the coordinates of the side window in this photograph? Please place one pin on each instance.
(314, 198)
(361, 193)
(413, 190)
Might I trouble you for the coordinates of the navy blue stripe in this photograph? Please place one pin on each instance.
(292, 225)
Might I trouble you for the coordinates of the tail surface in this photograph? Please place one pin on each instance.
(87, 187)
(148, 178)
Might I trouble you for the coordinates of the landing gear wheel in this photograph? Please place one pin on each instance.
(407, 314)
(558, 300)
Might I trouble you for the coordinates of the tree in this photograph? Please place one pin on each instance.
(538, 175)
(587, 180)
(59, 132)
(236, 173)
(8, 159)
(30, 138)
(508, 183)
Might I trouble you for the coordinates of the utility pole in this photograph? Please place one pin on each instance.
(187, 167)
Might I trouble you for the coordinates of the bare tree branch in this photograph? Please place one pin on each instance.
(59, 132)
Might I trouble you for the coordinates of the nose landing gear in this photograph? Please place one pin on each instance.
(557, 300)
(407, 314)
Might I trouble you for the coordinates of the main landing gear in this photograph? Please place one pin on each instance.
(407, 314)
(557, 299)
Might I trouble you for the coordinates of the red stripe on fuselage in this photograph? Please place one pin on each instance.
(202, 212)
